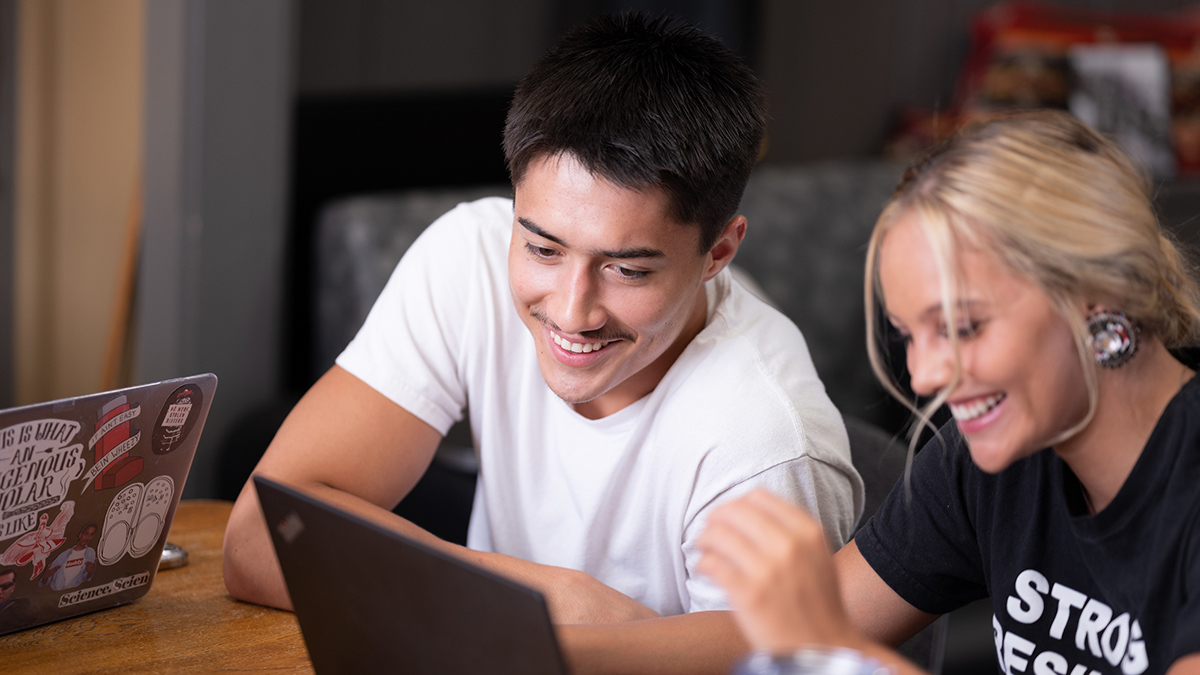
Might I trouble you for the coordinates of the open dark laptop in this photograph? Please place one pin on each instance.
(372, 600)
(88, 489)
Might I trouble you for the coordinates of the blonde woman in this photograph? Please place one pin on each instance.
(1022, 264)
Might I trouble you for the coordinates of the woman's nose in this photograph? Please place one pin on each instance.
(930, 366)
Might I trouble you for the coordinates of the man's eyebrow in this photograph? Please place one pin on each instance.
(620, 254)
(528, 224)
(628, 253)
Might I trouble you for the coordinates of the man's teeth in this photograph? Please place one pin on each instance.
(969, 411)
(577, 347)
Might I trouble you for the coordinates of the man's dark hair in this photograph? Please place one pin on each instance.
(644, 102)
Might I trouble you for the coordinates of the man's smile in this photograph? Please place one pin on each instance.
(577, 347)
(570, 350)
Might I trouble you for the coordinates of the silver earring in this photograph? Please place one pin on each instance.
(1114, 338)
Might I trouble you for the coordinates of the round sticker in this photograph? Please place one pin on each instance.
(177, 418)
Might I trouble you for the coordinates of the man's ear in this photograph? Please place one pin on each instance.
(726, 247)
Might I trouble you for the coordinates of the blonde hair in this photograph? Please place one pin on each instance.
(1057, 204)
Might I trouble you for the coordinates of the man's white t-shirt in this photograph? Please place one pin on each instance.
(73, 567)
(624, 497)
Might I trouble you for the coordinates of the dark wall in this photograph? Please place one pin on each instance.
(358, 46)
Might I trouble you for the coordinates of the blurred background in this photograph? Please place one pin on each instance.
(163, 162)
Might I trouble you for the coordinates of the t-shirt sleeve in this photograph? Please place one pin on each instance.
(409, 347)
(922, 542)
(824, 490)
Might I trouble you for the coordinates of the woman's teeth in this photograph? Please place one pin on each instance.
(968, 411)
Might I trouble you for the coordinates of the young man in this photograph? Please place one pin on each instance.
(75, 565)
(620, 382)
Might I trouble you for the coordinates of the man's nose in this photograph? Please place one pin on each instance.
(930, 366)
(581, 309)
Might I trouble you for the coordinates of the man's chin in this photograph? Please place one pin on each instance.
(574, 386)
(576, 393)
(575, 397)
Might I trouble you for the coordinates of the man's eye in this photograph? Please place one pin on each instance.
(540, 251)
(626, 273)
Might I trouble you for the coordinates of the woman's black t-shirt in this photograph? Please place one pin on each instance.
(1115, 592)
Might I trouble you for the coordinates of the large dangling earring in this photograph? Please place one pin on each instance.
(1114, 338)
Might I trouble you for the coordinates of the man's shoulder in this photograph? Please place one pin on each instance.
(471, 237)
(487, 215)
(750, 368)
(743, 309)
(748, 378)
(748, 339)
(490, 209)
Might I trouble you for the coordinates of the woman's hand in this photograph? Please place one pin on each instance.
(772, 559)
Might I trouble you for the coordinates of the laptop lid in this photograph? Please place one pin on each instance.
(88, 489)
(370, 599)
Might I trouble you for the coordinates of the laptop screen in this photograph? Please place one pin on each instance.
(369, 599)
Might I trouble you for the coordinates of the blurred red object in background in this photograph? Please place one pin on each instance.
(1019, 59)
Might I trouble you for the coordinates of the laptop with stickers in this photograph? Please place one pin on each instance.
(88, 489)
(370, 600)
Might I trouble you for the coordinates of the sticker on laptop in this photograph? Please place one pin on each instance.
(104, 590)
(38, 462)
(290, 527)
(177, 418)
(76, 565)
(36, 546)
(110, 445)
(135, 519)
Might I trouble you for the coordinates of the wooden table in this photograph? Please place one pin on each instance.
(186, 623)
